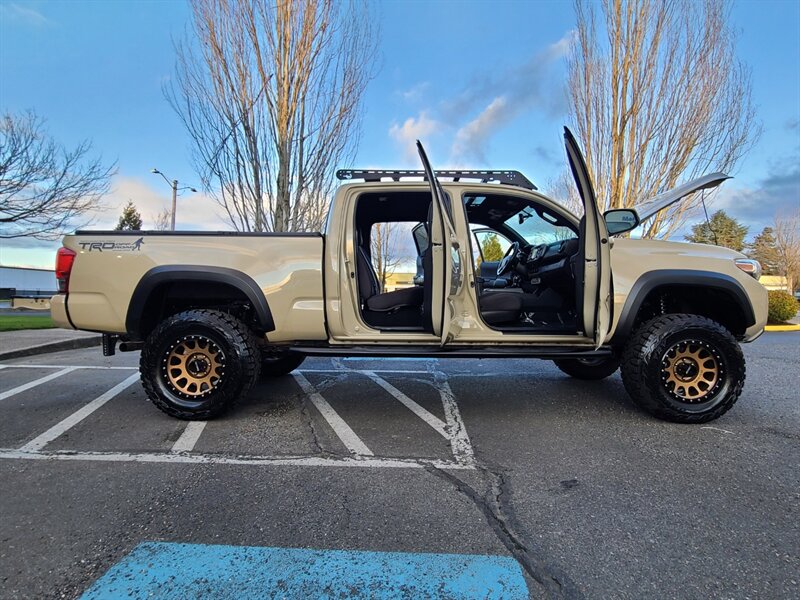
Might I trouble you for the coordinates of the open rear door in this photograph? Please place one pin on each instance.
(597, 299)
(447, 264)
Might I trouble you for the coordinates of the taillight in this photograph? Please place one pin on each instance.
(64, 260)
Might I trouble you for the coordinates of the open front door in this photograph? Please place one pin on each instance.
(597, 299)
(447, 260)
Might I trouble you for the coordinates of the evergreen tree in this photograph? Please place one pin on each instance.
(491, 249)
(723, 231)
(764, 250)
(130, 220)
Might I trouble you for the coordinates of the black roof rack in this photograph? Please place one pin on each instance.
(505, 177)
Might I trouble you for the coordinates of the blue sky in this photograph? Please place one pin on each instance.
(95, 70)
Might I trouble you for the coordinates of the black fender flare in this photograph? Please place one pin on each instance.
(679, 278)
(189, 273)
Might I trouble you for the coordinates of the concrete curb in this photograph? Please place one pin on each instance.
(83, 342)
(782, 328)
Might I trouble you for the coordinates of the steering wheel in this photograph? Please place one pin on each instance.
(509, 260)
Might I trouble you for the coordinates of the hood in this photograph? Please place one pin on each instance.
(648, 208)
(678, 248)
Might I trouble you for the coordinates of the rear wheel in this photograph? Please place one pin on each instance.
(196, 364)
(588, 368)
(683, 368)
(276, 365)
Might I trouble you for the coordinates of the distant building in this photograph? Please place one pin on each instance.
(775, 282)
(22, 281)
(397, 281)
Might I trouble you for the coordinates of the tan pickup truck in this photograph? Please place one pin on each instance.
(212, 311)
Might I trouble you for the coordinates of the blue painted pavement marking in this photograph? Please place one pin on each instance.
(169, 570)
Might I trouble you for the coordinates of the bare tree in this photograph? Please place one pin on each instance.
(562, 189)
(271, 96)
(787, 244)
(657, 98)
(384, 247)
(44, 187)
(163, 220)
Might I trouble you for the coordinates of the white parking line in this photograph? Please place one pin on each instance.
(438, 425)
(189, 437)
(58, 429)
(459, 440)
(34, 383)
(197, 458)
(349, 438)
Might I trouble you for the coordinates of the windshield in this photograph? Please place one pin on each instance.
(538, 227)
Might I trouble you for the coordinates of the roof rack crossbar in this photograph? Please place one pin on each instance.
(504, 177)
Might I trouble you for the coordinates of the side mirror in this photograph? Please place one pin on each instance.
(621, 220)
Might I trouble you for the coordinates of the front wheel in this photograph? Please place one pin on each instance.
(588, 368)
(683, 368)
(196, 364)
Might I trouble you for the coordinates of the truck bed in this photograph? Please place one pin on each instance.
(110, 266)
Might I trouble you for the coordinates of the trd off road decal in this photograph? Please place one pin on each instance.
(112, 246)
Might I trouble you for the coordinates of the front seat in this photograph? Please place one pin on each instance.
(499, 307)
(372, 299)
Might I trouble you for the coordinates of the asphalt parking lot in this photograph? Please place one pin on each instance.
(561, 487)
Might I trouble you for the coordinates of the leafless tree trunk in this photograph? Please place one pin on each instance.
(271, 98)
(44, 188)
(384, 249)
(657, 98)
(787, 244)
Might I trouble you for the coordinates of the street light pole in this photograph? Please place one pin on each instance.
(174, 201)
(175, 189)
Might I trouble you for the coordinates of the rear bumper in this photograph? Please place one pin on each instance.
(58, 311)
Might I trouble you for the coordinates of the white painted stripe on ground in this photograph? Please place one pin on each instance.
(435, 422)
(35, 382)
(189, 437)
(349, 438)
(459, 440)
(65, 366)
(197, 458)
(79, 415)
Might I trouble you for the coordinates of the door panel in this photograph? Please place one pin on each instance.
(597, 299)
(448, 269)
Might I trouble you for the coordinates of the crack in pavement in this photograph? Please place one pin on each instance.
(315, 442)
(499, 514)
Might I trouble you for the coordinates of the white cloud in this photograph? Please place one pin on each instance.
(24, 14)
(471, 138)
(415, 92)
(194, 210)
(561, 48)
(498, 97)
(413, 129)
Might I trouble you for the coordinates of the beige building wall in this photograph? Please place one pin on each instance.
(398, 281)
(774, 282)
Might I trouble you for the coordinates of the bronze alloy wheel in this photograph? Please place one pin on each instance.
(691, 371)
(193, 366)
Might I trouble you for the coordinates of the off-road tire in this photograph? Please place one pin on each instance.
(650, 354)
(227, 341)
(275, 366)
(590, 369)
